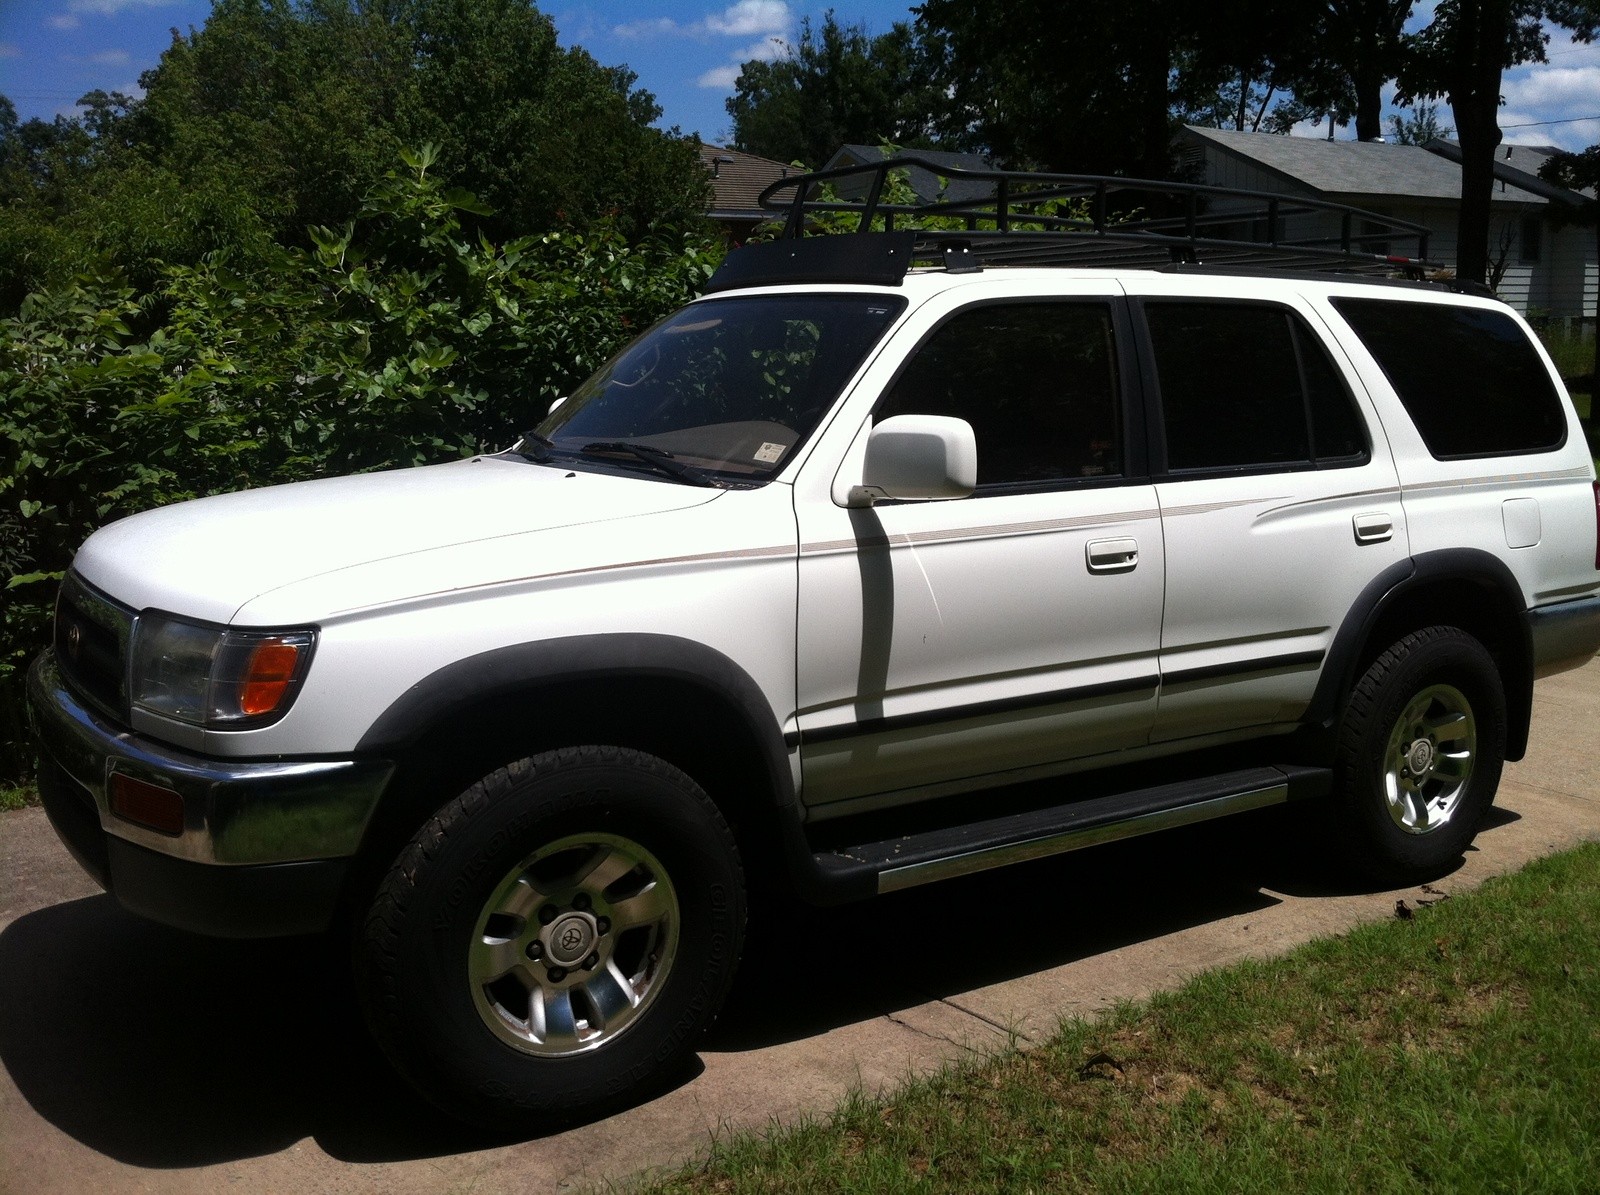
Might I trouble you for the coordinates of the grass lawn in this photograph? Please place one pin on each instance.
(1457, 1049)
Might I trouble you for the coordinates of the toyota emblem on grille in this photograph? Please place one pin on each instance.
(74, 640)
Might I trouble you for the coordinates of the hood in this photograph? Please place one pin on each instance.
(207, 558)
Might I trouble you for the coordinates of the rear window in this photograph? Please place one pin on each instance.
(1469, 378)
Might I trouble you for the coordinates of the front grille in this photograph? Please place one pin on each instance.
(91, 640)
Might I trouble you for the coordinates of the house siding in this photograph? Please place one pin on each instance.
(1562, 284)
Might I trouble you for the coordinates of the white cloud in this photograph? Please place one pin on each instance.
(112, 7)
(721, 78)
(766, 50)
(111, 58)
(659, 27)
(750, 17)
(10, 50)
(65, 20)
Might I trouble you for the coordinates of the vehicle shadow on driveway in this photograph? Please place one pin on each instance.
(165, 1050)
(817, 969)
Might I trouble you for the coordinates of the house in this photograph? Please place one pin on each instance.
(737, 180)
(1540, 264)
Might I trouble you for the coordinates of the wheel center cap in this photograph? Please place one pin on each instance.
(569, 938)
(1420, 758)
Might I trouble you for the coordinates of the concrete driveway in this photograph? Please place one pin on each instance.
(137, 1058)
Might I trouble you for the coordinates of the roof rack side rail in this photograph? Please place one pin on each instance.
(1182, 221)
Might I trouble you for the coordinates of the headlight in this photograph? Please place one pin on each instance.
(211, 676)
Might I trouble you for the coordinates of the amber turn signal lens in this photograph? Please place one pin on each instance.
(146, 804)
(267, 678)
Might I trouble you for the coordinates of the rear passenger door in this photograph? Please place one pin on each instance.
(1278, 495)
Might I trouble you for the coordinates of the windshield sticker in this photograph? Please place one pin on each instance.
(768, 453)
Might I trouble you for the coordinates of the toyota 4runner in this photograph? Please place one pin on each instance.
(800, 587)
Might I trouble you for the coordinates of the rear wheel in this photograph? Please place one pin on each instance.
(553, 942)
(1420, 755)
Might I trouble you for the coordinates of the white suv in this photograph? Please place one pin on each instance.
(801, 588)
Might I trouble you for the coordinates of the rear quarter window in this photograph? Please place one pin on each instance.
(1472, 383)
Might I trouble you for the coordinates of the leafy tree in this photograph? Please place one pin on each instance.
(308, 100)
(1087, 87)
(1419, 129)
(280, 114)
(836, 86)
(394, 339)
(1343, 54)
(1460, 55)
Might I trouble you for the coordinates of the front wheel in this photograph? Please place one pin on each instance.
(551, 944)
(1420, 753)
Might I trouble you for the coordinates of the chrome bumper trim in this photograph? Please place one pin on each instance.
(235, 811)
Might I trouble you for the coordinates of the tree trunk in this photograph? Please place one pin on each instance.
(1149, 76)
(1369, 106)
(1480, 40)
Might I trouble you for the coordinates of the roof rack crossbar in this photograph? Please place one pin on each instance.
(997, 217)
(1010, 200)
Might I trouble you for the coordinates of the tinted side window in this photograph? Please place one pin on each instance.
(1037, 382)
(1337, 436)
(1246, 385)
(1472, 383)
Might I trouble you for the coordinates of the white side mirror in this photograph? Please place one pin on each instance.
(918, 458)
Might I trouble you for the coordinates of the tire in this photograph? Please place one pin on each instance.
(1420, 752)
(553, 942)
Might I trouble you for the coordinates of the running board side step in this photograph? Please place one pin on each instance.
(888, 866)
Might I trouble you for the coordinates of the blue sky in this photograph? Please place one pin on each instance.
(53, 51)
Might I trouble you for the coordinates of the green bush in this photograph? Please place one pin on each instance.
(1571, 350)
(397, 340)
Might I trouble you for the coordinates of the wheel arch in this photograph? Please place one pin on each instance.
(670, 697)
(1463, 587)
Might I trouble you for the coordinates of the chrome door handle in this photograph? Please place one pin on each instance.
(1373, 528)
(1112, 555)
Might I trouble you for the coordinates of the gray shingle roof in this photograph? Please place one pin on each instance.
(737, 178)
(1354, 170)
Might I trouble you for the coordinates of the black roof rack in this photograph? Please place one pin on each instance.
(1017, 218)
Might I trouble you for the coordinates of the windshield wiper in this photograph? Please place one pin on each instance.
(658, 459)
(534, 447)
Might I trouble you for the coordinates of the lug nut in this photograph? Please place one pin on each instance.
(535, 950)
(603, 924)
(547, 914)
(557, 974)
(581, 901)
(590, 963)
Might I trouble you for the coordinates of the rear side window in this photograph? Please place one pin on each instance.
(1246, 386)
(1470, 380)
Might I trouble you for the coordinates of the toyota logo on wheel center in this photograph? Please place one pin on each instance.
(569, 939)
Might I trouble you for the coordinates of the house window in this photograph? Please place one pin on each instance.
(1531, 239)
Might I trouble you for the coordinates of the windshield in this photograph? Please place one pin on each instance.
(719, 393)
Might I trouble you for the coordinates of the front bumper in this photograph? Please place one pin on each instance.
(264, 845)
